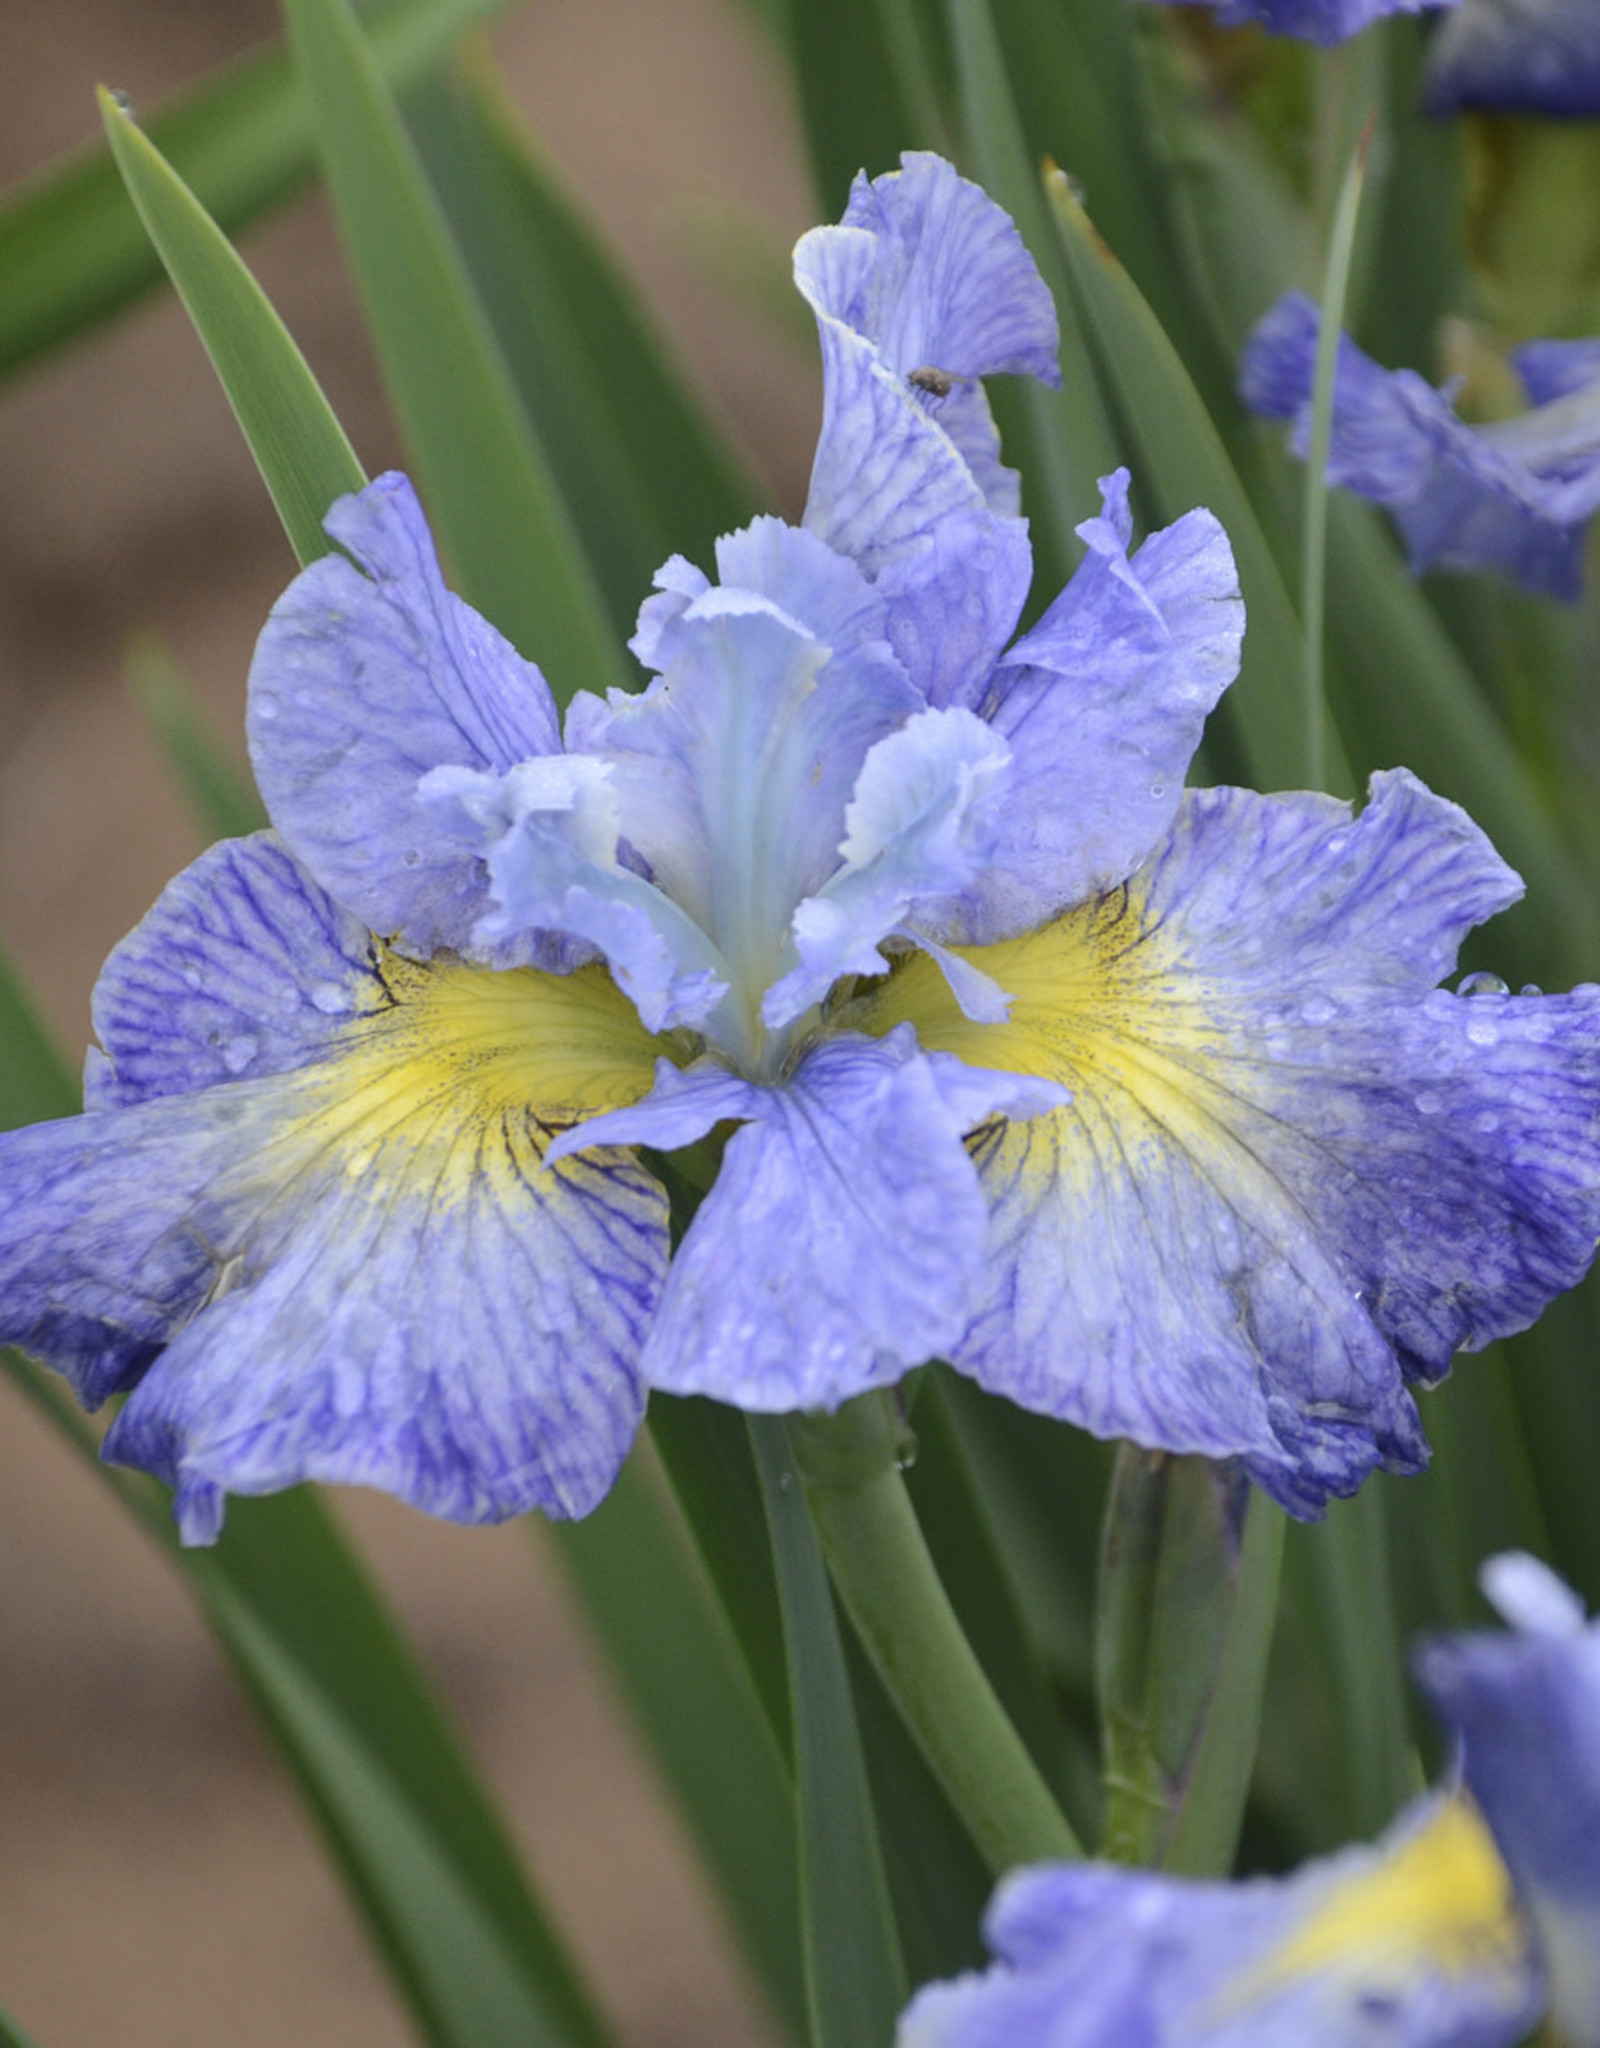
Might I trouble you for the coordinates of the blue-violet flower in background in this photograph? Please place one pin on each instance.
(1525, 1706)
(1142, 1106)
(1515, 495)
(1517, 56)
(1315, 21)
(1478, 1912)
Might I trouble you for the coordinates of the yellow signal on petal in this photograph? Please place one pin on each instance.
(1442, 1898)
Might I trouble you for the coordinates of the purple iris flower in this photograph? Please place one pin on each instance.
(1315, 21)
(1525, 1706)
(1142, 1106)
(1477, 1913)
(1417, 1942)
(1517, 56)
(1515, 495)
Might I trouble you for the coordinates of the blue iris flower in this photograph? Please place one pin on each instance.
(1525, 1707)
(1517, 56)
(1477, 1913)
(1515, 495)
(1142, 1106)
(1315, 21)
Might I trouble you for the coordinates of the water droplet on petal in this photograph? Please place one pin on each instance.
(1531, 988)
(238, 1052)
(1158, 790)
(266, 707)
(1487, 1122)
(191, 977)
(1481, 1032)
(412, 857)
(1429, 1103)
(330, 998)
(1318, 1010)
(1481, 985)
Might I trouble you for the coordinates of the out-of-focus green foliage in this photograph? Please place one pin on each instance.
(1171, 181)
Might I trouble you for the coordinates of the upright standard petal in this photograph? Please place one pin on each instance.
(367, 674)
(1513, 496)
(1517, 56)
(925, 288)
(921, 824)
(1526, 1708)
(1103, 705)
(1315, 21)
(1293, 1174)
(1416, 1943)
(842, 1243)
(350, 1265)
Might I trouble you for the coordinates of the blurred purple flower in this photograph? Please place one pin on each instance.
(1516, 495)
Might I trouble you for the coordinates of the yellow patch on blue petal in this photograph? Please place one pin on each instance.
(1101, 1001)
(1441, 1901)
(471, 1069)
(561, 1046)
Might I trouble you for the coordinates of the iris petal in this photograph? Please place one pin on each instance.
(1529, 56)
(1102, 705)
(926, 279)
(353, 1269)
(1513, 496)
(1415, 1942)
(364, 679)
(1292, 1174)
(842, 1242)
(1525, 1706)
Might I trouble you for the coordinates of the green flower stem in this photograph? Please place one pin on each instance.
(1188, 1597)
(882, 1571)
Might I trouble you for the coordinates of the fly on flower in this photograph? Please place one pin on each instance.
(1142, 1106)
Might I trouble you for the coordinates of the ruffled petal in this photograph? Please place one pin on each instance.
(243, 967)
(925, 288)
(1293, 1173)
(733, 772)
(1516, 56)
(1416, 1943)
(1526, 1708)
(741, 759)
(922, 822)
(842, 1242)
(364, 678)
(1556, 369)
(355, 1269)
(1103, 705)
(547, 832)
(1512, 496)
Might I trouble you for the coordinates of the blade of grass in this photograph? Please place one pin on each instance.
(855, 1979)
(220, 795)
(1313, 571)
(1065, 437)
(1183, 463)
(303, 454)
(34, 1079)
(11, 2035)
(73, 252)
(311, 1639)
(641, 467)
(498, 510)
(691, 1698)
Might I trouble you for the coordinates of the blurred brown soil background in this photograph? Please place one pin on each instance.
(158, 1883)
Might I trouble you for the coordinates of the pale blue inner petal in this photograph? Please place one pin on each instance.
(921, 823)
(548, 830)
